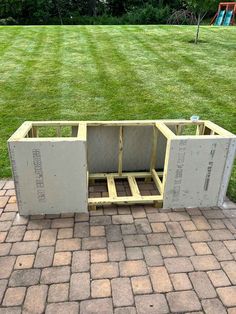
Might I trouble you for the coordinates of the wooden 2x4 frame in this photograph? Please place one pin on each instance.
(209, 146)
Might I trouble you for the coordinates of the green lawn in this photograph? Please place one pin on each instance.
(115, 72)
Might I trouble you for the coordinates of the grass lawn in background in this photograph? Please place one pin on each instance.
(115, 72)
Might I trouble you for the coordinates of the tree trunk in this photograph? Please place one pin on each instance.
(198, 28)
(59, 12)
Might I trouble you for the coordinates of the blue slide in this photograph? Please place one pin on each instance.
(228, 17)
(220, 18)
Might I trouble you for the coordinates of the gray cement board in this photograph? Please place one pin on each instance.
(50, 177)
(195, 171)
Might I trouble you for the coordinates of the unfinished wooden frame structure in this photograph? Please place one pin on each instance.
(189, 162)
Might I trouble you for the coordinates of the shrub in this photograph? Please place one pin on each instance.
(8, 21)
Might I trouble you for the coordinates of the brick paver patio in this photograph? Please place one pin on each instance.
(122, 260)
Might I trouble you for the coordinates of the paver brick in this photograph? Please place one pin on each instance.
(213, 306)
(62, 259)
(202, 285)
(101, 288)
(63, 223)
(98, 256)
(92, 243)
(168, 250)
(24, 278)
(62, 308)
(24, 261)
(35, 304)
(183, 301)
(158, 217)
(160, 279)
(91, 306)
(159, 238)
(188, 225)
(14, 296)
(58, 292)
(16, 233)
(5, 225)
(227, 295)
(218, 278)
(220, 251)
(5, 248)
(122, 292)
(79, 286)
(178, 216)
(181, 281)
(132, 268)
(32, 235)
(116, 251)
(6, 266)
(104, 270)
(64, 245)
(198, 236)
(3, 201)
(80, 261)
(128, 229)
(178, 265)
(138, 212)
(55, 275)
(231, 245)
(20, 248)
(158, 227)
(65, 233)
(81, 230)
(100, 220)
(201, 248)
(44, 257)
(152, 256)
(97, 231)
(205, 262)
(151, 304)
(3, 286)
(113, 232)
(213, 213)
(174, 229)
(7, 216)
(221, 234)
(122, 219)
(230, 269)
(183, 247)
(142, 226)
(20, 220)
(134, 253)
(3, 236)
(135, 240)
(201, 223)
(82, 217)
(141, 285)
(48, 237)
(125, 310)
(216, 223)
(35, 224)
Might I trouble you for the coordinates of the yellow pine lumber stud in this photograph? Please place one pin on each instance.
(133, 186)
(125, 200)
(111, 187)
(157, 181)
(120, 157)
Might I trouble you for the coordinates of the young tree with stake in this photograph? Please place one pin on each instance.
(200, 9)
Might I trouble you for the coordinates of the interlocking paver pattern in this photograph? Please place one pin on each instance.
(121, 260)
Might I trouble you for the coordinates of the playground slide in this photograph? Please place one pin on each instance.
(228, 17)
(219, 18)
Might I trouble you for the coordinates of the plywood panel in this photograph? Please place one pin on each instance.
(50, 177)
(195, 171)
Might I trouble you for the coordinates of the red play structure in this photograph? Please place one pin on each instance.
(225, 15)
